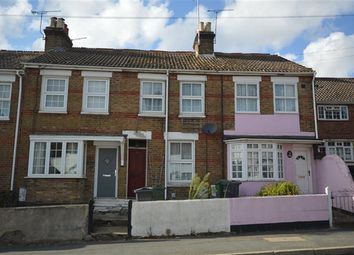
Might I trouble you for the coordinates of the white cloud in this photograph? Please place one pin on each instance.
(331, 56)
(38, 45)
(12, 27)
(289, 56)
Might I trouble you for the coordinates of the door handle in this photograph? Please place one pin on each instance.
(106, 175)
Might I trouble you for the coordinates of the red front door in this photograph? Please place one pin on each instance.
(136, 170)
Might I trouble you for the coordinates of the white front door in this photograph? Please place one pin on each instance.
(302, 159)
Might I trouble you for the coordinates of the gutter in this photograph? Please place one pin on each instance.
(166, 130)
(314, 104)
(151, 70)
(14, 155)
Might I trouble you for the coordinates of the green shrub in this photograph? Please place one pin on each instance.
(279, 189)
(200, 189)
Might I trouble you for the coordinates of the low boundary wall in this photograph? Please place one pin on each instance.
(185, 217)
(43, 223)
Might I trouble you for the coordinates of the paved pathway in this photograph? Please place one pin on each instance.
(255, 243)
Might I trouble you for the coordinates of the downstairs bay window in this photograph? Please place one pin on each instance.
(180, 162)
(56, 159)
(253, 161)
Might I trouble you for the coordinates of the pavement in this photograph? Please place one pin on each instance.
(333, 242)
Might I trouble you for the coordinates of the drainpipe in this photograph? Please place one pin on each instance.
(166, 130)
(314, 103)
(19, 74)
(222, 127)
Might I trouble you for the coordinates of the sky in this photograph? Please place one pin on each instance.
(315, 33)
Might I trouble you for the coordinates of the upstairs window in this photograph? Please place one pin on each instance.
(247, 94)
(152, 94)
(192, 99)
(327, 112)
(54, 94)
(96, 95)
(285, 94)
(5, 99)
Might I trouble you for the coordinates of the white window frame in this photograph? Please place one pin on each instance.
(201, 97)
(181, 182)
(340, 144)
(86, 94)
(80, 157)
(7, 100)
(141, 97)
(286, 81)
(44, 93)
(244, 150)
(247, 80)
(332, 106)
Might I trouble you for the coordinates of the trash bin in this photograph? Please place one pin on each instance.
(158, 193)
(225, 188)
(144, 194)
(233, 189)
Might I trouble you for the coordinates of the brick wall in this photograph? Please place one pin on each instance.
(343, 129)
(7, 134)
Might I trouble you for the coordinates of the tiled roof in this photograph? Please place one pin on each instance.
(13, 59)
(175, 60)
(335, 90)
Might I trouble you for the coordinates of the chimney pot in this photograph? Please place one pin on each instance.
(201, 26)
(207, 27)
(53, 21)
(204, 40)
(60, 23)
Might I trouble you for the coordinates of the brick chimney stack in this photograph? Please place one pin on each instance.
(57, 35)
(204, 40)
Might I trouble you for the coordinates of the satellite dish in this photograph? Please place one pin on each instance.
(209, 128)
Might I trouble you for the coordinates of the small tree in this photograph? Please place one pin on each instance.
(200, 189)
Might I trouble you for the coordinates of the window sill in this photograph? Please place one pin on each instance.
(4, 118)
(286, 112)
(94, 113)
(54, 112)
(179, 185)
(191, 116)
(247, 112)
(333, 120)
(157, 115)
(54, 177)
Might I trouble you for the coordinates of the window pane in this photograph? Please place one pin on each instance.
(279, 90)
(54, 101)
(175, 152)
(147, 104)
(96, 87)
(39, 158)
(157, 105)
(280, 105)
(344, 112)
(55, 85)
(157, 89)
(290, 105)
(4, 108)
(71, 159)
(55, 158)
(197, 105)
(174, 171)
(186, 105)
(290, 90)
(186, 171)
(186, 151)
(252, 90)
(252, 105)
(147, 88)
(186, 89)
(241, 90)
(241, 104)
(96, 102)
(4, 91)
(196, 90)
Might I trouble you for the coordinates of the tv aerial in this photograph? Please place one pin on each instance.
(216, 12)
(41, 13)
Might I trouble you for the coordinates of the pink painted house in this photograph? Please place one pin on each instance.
(274, 136)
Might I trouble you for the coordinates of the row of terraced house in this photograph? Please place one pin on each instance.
(83, 123)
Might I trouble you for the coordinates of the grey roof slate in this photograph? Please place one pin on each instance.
(12, 59)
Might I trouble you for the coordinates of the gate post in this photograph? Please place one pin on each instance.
(330, 213)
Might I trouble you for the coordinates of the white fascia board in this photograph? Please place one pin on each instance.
(152, 76)
(183, 77)
(76, 138)
(7, 78)
(182, 136)
(131, 134)
(96, 74)
(247, 79)
(55, 72)
(285, 79)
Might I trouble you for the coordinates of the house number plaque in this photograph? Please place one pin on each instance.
(289, 154)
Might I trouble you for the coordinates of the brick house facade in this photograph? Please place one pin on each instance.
(335, 111)
(93, 121)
